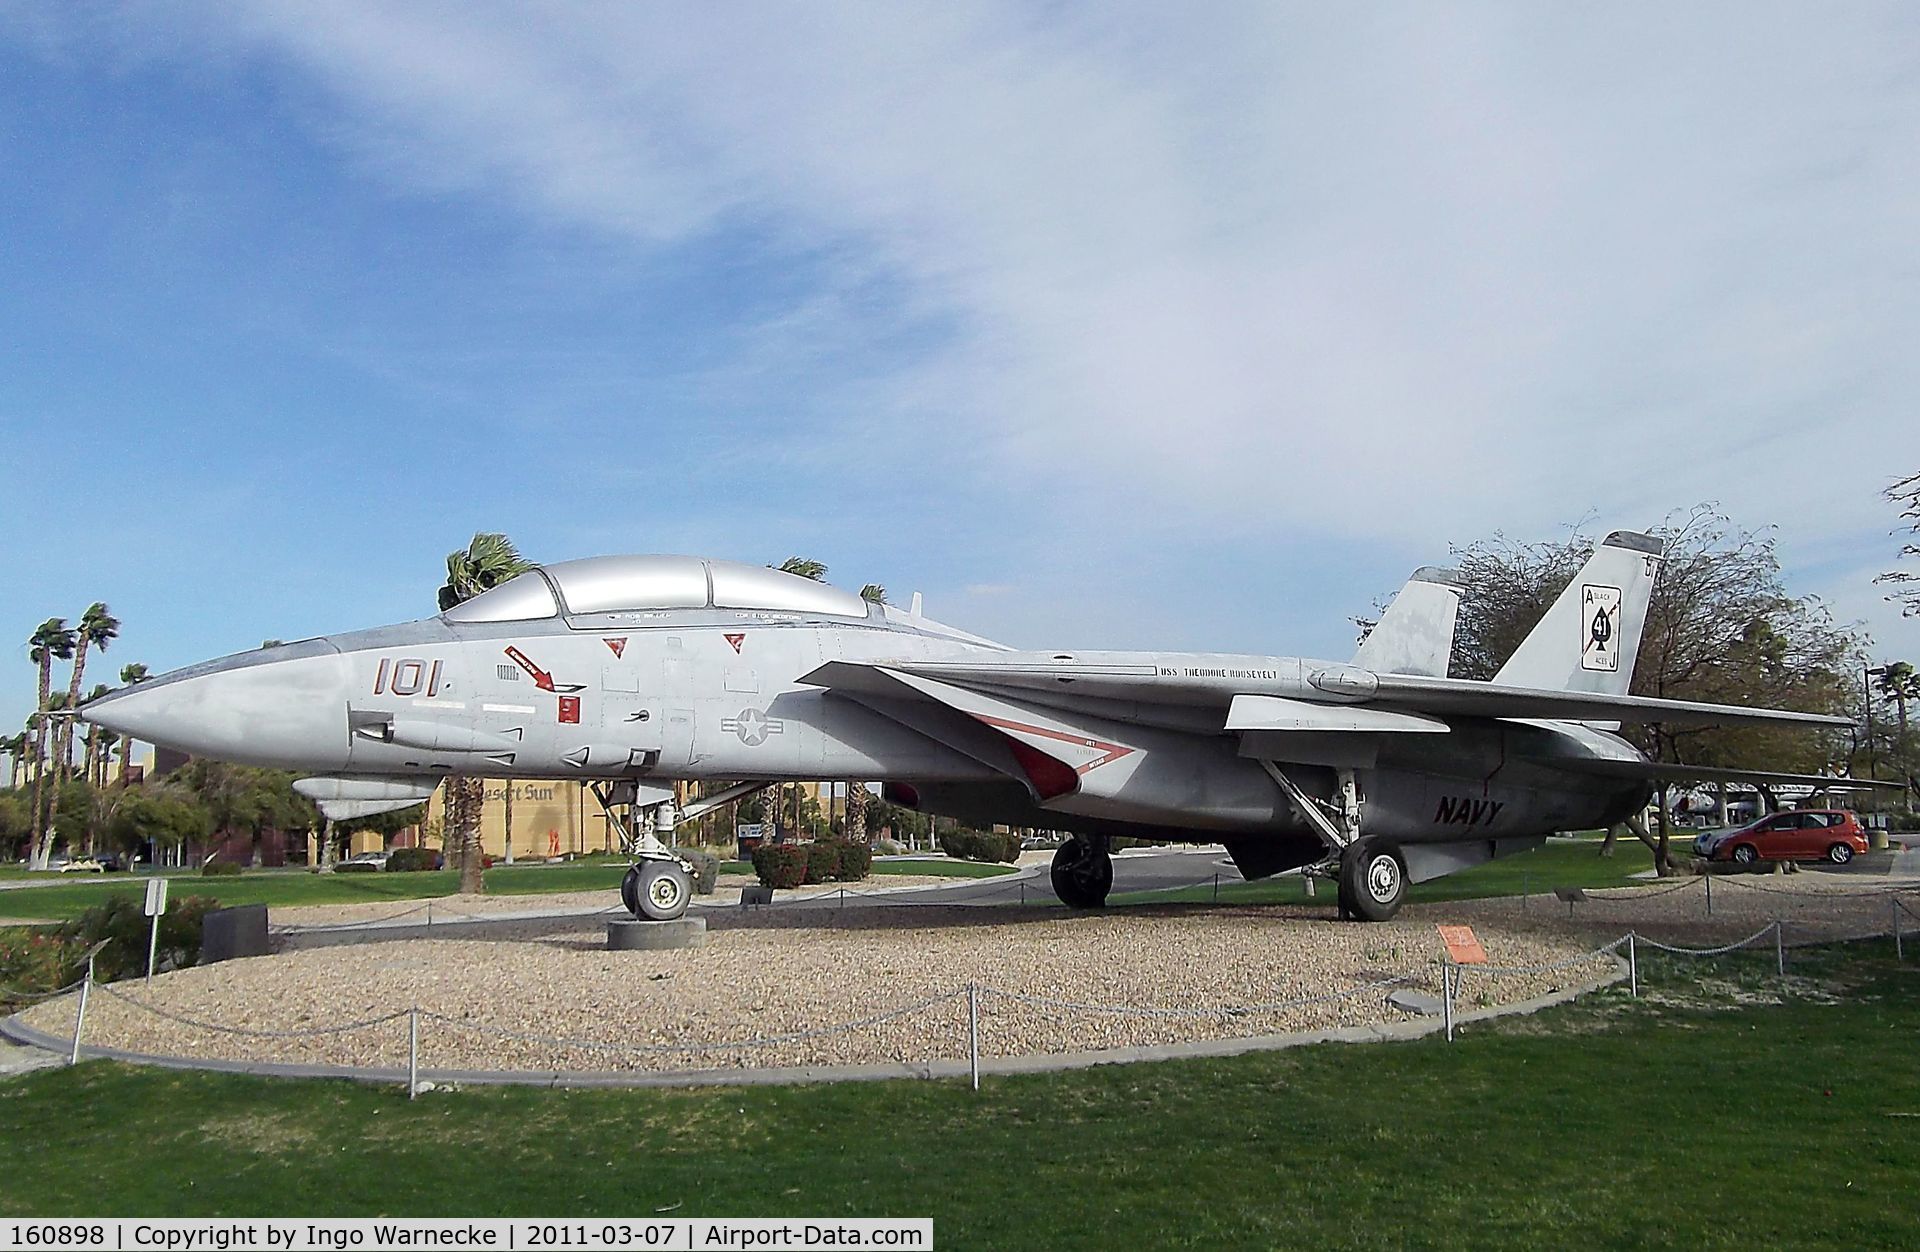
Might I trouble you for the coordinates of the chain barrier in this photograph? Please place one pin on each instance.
(1768, 929)
(1735, 880)
(1231, 1010)
(243, 1031)
(1547, 967)
(10, 993)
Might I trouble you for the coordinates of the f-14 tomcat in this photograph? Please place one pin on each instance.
(635, 671)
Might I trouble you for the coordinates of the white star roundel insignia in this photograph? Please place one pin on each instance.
(753, 726)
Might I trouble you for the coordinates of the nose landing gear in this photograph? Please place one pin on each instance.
(1083, 872)
(658, 886)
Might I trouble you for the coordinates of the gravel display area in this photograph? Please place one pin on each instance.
(774, 987)
(561, 1001)
(461, 908)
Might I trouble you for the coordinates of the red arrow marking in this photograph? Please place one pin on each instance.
(541, 678)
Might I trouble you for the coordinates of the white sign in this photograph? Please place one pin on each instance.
(750, 830)
(1600, 628)
(156, 897)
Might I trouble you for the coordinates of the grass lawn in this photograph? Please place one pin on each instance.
(1572, 862)
(287, 888)
(1722, 1110)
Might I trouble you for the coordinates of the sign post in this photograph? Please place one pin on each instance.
(156, 905)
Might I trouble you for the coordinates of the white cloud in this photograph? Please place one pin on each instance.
(1409, 275)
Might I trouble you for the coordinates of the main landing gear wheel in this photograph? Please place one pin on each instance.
(656, 891)
(1373, 881)
(1082, 874)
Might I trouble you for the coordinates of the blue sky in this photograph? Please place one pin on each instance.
(1101, 326)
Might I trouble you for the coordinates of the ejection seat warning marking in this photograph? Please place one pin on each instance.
(541, 678)
(1600, 628)
(570, 709)
(617, 646)
(735, 641)
(1463, 948)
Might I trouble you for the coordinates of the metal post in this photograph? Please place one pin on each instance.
(1446, 996)
(1633, 966)
(1780, 947)
(843, 897)
(80, 1018)
(153, 945)
(413, 1053)
(1899, 947)
(1709, 877)
(973, 1033)
(1023, 891)
(429, 912)
(1216, 888)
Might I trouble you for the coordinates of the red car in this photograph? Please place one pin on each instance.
(1801, 835)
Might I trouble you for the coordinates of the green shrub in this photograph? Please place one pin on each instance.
(412, 860)
(856, 861)
(219, 869)
(121, 921)
(706, 869)
(35, 962)
(823, 861)
(1903, 821)
(980, 845)
(781, 864)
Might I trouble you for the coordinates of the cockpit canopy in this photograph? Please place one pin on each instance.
(627, 584)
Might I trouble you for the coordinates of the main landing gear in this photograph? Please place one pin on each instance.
(1373, 880)
(1370, 873)
(1083, 872)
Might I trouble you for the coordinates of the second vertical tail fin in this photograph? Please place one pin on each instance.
(1589, 638)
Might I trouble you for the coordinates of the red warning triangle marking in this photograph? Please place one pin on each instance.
(736, 641)
(619, 646)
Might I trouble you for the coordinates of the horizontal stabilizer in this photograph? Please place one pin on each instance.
(1279, 713)
(1462, 697)
(1660, 771)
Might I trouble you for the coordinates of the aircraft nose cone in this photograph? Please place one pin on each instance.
(281, 706)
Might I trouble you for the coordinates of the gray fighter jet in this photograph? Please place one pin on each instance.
(636, 671)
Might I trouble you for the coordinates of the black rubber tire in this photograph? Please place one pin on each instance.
(1746, 854)
(1839, 854)
(656, 891)
(1082, 874)
(630, 891)
(1373, 877)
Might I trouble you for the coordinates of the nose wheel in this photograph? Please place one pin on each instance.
(1083, 873)
(656, 891)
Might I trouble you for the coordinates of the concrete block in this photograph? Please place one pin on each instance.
(630, 935)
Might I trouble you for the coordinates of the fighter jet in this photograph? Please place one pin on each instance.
(637, 671)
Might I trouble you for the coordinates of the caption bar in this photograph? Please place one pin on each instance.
(378, 1234)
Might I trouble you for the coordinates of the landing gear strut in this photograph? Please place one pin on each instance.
(1083, 872)
(1371, 873)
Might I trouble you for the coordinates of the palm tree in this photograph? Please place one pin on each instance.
(16, 750)
(97, 629)
(51, 641)
(482, 565)
(816, 571)
(131, 675)
(485, 563)
(856, 825)
(1899, 682)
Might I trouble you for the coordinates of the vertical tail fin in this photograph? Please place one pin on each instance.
(1589, 638)
(1415, 634)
